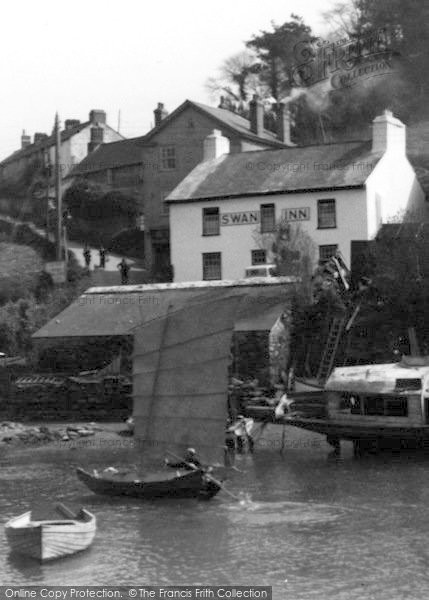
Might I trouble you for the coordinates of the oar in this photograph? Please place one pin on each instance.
(210, 477)
(65, 511)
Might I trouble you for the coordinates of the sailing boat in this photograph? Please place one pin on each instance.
(180, 373)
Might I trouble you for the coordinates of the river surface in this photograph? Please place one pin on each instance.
(316, 527)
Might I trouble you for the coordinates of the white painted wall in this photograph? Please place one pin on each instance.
(235, 242)
(395, 182)
(75, 149)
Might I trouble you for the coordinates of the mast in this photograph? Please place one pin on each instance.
(156, 376)
(58, 187)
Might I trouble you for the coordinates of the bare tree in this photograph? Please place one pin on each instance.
(237, 81)
(344, 19)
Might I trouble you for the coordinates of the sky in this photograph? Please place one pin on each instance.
(121, 55)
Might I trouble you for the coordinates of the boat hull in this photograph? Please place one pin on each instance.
(49, 540)
(357, 431)
(181, 484)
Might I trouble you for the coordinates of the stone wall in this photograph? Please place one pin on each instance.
(66, 403)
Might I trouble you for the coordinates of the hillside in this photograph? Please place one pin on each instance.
(19, 269)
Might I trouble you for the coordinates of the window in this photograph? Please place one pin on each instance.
(373, 405)
(396, 406)
(326, 214)
(97, 134)
(326, 252)
(211, 221)
(212, 268)
(168, 158)
(268, 218)
(259, 257)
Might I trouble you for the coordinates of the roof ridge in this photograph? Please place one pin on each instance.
(303, 146)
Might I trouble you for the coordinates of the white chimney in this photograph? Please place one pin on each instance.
(388, 133)
(215, 145)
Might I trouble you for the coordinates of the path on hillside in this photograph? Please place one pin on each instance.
(112, 260)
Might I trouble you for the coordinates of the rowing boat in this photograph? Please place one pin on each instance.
(50, 539)
(163, 484)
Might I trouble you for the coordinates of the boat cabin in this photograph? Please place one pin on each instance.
(382, 394)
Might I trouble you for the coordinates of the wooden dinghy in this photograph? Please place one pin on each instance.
(51, 539)
(164, 484)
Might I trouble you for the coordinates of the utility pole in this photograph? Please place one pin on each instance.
(58, 188)
(48, 181)
(119, 121)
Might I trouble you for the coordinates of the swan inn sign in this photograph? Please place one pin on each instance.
(254, 216)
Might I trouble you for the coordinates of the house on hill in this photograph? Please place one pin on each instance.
(77, 141)
(151, 166)
(223, 215)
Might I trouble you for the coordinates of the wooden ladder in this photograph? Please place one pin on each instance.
(331, 347)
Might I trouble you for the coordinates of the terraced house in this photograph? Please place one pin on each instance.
(224, 213)
(78, 139)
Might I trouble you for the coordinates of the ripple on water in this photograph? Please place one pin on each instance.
(273, 513)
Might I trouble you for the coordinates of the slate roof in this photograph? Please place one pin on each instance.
(319, 167)
(128, 152)
(117, 311)
(111, 155)
(46, 143)
(225, 119)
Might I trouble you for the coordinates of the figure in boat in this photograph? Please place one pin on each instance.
(190, 461)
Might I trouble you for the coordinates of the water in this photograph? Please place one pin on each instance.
(310, 525)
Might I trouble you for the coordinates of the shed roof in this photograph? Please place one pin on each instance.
(118, 311)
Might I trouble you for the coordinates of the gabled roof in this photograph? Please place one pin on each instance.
(224, 119)
(319, 167)
(111, 155)
(128, 152)
(46, 143)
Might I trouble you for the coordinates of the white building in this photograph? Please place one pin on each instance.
(222, 213)
(77, 141)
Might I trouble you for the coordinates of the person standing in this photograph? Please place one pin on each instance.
(87, 256)
(102, 253)
(124, 269)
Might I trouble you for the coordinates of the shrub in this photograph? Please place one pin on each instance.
(86, 200)
(128, 243)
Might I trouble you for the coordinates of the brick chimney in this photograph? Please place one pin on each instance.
(160, 114)
(256, 115)
(388, 133)
(283, 123)
(40, 137)
(97, 116)
(71, 123)
(223, 103)
(215, 145)
(25, 139)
